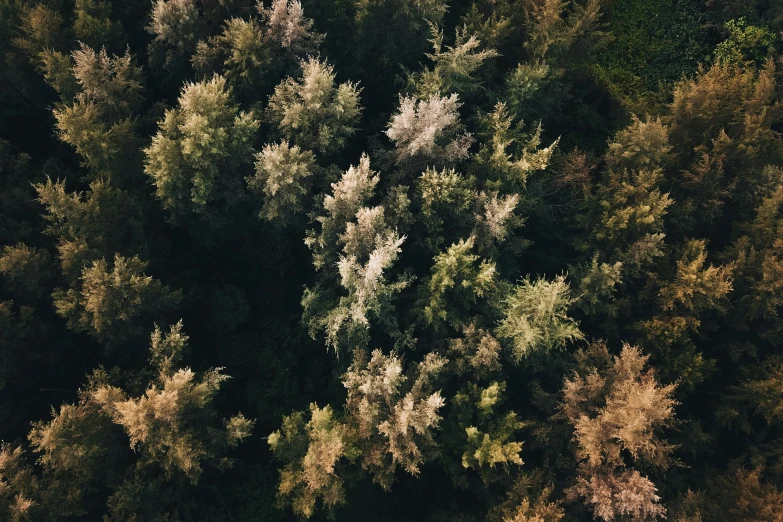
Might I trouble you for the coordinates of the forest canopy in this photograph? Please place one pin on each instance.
(427, 260)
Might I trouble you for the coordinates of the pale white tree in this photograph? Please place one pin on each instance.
(281, 179)
(348, 196)
(368, 290)
(393, 418)
(289, 28)
(429, 128)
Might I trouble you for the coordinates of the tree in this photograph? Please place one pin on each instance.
(388, 423)
(241, 53)
(617, 409)
(695, 291)
(346, 323)
(176, 26)
(25, 269)
(369, 248)
(171, 425)
(287, 26)
(457, 280)
(253, 54)
(173, 429)
(490, 436)
(452, 68)
(99, 123)
(282, 179)
(43, 29)
(539, 509)
(349, 195)
(394, 421)
(536, 317)
(311, 452)
(504, 154)
(446, 197)
(742, 495)
(19, 484)
(93, 24)
(112, 303)
(552, 34)
(429, 129)
(90, 225)
(313, 112)
(476, 353)
(196, 159)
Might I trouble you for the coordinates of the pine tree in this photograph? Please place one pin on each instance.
(287, 26)
(282, 179)
(458, 279)
(429, 130)
(313, 112)
(171, 424)
(452, 68)
(99, 123)
(490, 437)
(311, 452)
(536, 317)
(176, 26)
(98, 223)
(196, 159)
(112, 303)
(240, 53)
(388, 423)
(93, 24)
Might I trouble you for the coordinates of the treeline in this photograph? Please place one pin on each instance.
(480, 260)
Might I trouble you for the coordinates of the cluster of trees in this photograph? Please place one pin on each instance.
(464, 260)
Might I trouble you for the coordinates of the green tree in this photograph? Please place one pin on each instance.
(313, 112)
(94, 24)
(197, 158)
(536, 317)
(90, 225)
(113, 303)
(176, 26)
(99, 123)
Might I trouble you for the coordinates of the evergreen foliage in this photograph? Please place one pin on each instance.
(465, 260)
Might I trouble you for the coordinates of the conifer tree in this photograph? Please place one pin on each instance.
(94, 24)
(458, 278)
(452, 68)
(98, 223)
(282, 178)
(617, 409)
(196, 159)
(429, 129)
(388, 424)
(112, 303)
(527, 197)
(536, 317)
(289, 29)
(176, 26)
(99, 123)
(173, 429)
(170, 425)
(313, 112)
(240, 53)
